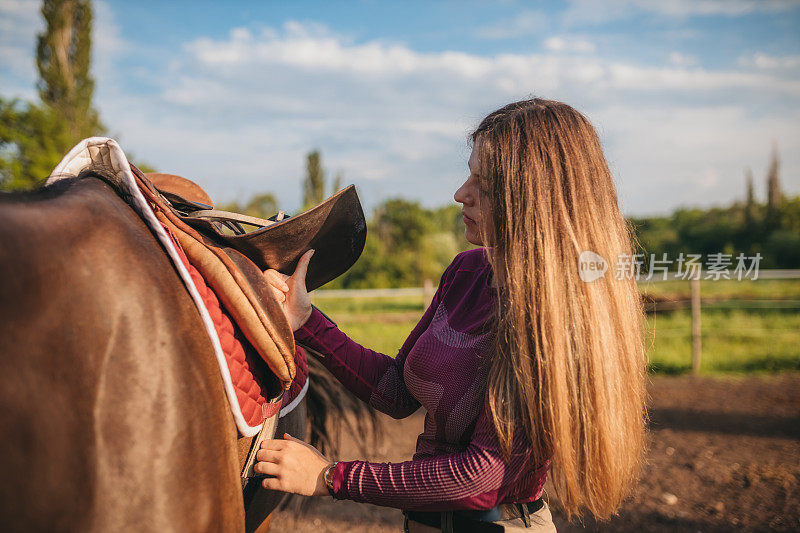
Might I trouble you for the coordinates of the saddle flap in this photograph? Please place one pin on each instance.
(244, 294)
(336, 229)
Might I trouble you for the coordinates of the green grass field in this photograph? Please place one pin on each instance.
(747, 327)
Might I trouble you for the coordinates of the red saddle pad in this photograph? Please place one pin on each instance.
(241, 357)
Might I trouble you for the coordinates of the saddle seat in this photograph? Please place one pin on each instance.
(336, 229)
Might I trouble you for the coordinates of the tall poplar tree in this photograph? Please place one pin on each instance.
(337, 183)
(63, 57)
(750, 203)
(314, 185)
(35, 136)
(774, 195)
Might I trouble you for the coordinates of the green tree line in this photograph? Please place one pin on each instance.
(770, 228)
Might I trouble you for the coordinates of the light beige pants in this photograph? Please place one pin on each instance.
(541, 522)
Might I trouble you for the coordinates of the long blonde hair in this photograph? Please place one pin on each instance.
(570, 364)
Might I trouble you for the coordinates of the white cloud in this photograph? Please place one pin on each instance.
(567, 44)
(526, 22)
(333, 62)
(764, 61)
(593, 12)
(239, 114)
(300, 48)
(682, 60)
(694, 155)
(730, 8)
(661, 79)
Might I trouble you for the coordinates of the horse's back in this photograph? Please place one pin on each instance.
(112, 412)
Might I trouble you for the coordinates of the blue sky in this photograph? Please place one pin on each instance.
(684, 94)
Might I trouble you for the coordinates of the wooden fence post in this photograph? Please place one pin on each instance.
(696, 340)
(427, 289)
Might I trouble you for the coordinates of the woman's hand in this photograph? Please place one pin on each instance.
(297, 466)
(291, 291)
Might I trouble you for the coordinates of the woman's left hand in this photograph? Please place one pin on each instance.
(297, 466)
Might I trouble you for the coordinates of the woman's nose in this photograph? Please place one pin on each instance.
(461, 195)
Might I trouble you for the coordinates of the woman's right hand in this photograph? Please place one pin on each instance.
(291, 291)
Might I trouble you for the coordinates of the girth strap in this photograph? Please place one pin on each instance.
(271, 411)
(249, 477)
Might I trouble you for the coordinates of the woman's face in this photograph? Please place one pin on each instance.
(475, 203)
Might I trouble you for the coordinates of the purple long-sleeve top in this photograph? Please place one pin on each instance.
(442, 366)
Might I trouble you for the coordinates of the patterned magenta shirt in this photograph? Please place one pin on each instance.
(441, 367)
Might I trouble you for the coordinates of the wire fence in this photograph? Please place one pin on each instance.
(727, 335)
(743, 327)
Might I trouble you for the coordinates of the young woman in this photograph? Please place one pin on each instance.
(521, 366)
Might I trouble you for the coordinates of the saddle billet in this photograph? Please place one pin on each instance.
(335, 229)
(248, 474)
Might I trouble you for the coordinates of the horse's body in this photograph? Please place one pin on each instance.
(112, 411)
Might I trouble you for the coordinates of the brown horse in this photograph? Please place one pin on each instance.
(112, 409)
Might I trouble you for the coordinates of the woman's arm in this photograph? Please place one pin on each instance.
(375, 378)
(476, 478)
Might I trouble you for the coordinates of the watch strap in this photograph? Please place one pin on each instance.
(329, 479)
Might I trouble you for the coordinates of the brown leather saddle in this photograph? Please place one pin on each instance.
(230, 261)
(335, 229)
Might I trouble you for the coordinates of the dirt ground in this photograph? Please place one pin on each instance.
(724, 455)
